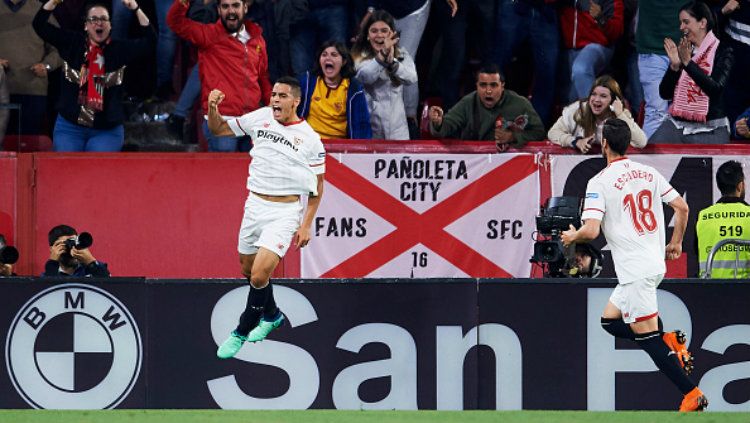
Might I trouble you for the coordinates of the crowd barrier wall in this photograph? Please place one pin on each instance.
(174, 215)
(446, 344)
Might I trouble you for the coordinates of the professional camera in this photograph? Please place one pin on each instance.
(8, 254)
(557, 260)
(83, 240)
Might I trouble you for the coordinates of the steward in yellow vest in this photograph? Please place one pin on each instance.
(729, 218)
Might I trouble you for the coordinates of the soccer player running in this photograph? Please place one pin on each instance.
(288, 162)
(623, 201)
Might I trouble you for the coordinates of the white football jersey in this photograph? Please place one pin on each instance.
(626, 197)
(286, 158)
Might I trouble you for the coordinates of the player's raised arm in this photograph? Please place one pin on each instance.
(216, 124)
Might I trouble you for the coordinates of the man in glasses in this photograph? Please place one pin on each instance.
(90, 106)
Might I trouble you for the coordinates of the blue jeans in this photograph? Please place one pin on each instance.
(190, 92)
(225, 144)
(165, 45)
(71, 137)
(651, 69)
(585, 64)
(634, 91)
(518, 21)
(328, 23)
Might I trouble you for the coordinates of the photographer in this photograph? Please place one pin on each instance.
(68, 257)
(8, 256)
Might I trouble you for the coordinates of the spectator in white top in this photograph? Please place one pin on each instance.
(581, 123)
(384, 68)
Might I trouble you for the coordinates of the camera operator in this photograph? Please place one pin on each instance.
(587, 263)
(68, 258)
(556, 260)
(6, 266)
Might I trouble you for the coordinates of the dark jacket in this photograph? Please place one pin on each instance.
(94, 269)
(713, 85)
(470, 120)
(357, 114)
(744, 115)
(397, 8)
(71, 45)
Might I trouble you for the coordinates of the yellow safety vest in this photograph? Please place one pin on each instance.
(724, 221)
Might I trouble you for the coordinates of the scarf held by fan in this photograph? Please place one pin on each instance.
(690, 102)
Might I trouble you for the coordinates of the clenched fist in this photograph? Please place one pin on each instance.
(436, 115)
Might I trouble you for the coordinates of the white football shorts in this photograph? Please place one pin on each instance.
(268, 224)
(637, 300)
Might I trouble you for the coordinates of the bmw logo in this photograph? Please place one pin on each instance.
(73, 346)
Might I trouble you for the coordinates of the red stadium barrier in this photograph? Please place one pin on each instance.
(167, 215)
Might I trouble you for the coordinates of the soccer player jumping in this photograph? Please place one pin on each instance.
(288, 162)
(623, 201)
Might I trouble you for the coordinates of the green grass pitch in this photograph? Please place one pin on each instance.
(336, 416)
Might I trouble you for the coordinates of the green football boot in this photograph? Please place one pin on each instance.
(231, 346)
(264, 328)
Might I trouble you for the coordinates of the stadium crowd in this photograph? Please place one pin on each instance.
(673, 68)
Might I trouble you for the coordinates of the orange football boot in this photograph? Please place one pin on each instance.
(675, 340)
(694, 401)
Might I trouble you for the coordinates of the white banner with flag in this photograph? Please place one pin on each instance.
(425, 215)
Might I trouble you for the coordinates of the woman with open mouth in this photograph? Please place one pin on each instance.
(581, 123)
(90, 105)
(333, 100)
(698, 71)
(384, 69)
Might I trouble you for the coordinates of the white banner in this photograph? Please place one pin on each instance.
(425, 215)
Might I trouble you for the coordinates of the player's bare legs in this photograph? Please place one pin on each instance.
(648, 335)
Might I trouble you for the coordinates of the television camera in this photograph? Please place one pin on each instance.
(581, 260)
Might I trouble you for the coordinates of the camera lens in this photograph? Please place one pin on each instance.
(8, 255)
(70, 243)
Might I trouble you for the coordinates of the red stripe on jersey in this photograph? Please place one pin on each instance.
(667, 192)
(640, 319)
(293, 123)
(237, 121)
(592, 208)
(615, 160)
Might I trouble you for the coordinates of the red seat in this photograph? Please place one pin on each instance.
(27, 143)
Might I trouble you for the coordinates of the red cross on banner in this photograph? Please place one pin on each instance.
(469, 215)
